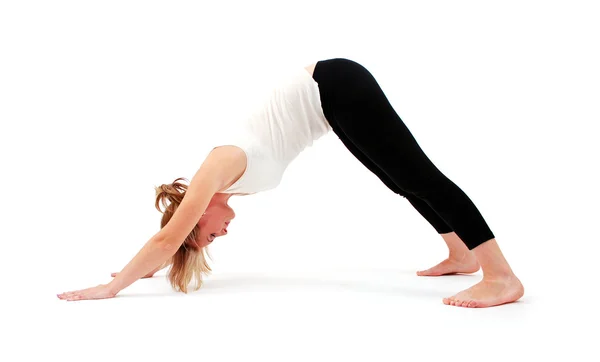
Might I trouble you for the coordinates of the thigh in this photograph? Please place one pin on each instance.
(361, 110)
(368, 163)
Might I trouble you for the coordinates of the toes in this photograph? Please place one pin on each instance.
(455, 302)
(423, 273)
(449, 300)
(460, 303)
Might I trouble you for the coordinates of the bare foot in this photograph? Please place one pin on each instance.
(488, 293)
(465, 265)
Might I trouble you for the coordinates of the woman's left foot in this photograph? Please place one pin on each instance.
(452, 265)
(488, 293)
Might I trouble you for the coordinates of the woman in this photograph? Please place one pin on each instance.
(333, 94)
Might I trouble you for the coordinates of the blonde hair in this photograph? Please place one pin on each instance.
(189, 261)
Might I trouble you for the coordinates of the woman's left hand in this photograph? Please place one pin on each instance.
(101, 291)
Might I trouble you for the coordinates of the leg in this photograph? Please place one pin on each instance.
(500, 285)
(460, 258)
(421, 206)
(358, 107)
(363, 113)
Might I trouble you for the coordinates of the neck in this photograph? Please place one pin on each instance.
(221, 197)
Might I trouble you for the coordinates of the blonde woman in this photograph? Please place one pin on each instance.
(338, 95)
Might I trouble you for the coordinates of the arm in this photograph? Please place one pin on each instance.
(165, 243)
(151, 273)
(210, 178)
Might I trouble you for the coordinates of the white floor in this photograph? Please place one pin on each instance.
(310, 313)
(100, 102)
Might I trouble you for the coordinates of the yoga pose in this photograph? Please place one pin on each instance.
(334, 94)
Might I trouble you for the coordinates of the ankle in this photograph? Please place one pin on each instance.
(497, 274)
(461, 256)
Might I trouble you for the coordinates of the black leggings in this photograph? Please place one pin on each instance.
(362, 117)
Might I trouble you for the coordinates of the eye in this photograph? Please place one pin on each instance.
(213, 237)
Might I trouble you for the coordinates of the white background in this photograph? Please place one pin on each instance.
(101, 101)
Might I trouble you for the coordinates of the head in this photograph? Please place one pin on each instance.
(189, 261)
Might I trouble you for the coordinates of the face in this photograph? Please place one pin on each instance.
(215, 221)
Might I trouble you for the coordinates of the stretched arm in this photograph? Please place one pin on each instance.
(163, 245)
(155, 251)
(151, 273)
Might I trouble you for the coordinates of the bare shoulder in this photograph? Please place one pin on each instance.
(227, 151)
(228, 163)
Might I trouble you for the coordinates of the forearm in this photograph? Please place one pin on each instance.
(153, 255)
(158, 268)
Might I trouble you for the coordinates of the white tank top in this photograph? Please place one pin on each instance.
(280, 127)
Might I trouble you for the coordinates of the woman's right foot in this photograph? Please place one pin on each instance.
(465, 265)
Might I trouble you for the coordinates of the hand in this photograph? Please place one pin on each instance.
(101, 291)
(144, 277)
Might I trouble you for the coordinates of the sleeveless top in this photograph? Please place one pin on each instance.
(287, 121)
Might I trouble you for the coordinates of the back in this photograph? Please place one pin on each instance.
(286, 121)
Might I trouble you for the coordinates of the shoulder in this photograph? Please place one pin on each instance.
(228, 163)
(227, 152)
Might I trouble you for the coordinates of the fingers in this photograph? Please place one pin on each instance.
(78, 295)
(74, 295)
(98, 292)
(66, 294)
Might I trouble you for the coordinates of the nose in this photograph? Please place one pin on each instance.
(225, 227)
